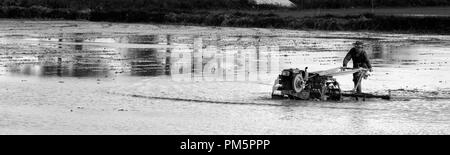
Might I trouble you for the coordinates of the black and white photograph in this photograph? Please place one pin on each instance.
(224, 67)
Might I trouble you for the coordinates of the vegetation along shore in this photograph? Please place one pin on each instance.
(239, 13)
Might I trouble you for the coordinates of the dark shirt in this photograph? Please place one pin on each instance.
(360, 59)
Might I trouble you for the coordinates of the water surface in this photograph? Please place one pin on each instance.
(214, 83)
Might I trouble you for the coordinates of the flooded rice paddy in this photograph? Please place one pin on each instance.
(75, 77)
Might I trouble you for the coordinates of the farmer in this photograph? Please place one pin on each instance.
(360, 60)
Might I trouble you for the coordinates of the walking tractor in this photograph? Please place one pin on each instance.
(320, 85)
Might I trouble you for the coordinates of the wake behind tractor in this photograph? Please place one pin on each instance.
(300, 84)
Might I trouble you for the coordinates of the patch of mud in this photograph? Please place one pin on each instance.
(407, 95)
(224, 59)
(221, 92)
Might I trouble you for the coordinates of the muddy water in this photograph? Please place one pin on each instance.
(104, 81)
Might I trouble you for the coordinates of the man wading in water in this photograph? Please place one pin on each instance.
(360, 60)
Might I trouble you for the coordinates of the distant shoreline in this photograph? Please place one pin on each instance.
(280, 19)
(386, 11)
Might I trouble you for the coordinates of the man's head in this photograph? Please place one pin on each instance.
(358, 44)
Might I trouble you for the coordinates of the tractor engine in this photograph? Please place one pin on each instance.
(299, 84)
(287, 77)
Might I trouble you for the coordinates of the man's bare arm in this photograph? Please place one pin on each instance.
(347, 58)
(369, 65)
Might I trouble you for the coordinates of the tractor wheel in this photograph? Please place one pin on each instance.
(331, 91)
(298, 84)
(323, 92)
(337, 94)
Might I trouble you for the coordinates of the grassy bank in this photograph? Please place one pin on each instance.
(216, 4)
(409, 11)
(131, 4)
(367, 21)
(249, 14)
(328, 4)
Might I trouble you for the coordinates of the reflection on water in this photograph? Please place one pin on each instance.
(145, 62)
(211, 79)
(210, 58)
(196, 60)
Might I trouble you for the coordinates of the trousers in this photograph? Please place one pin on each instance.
(356, 77)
